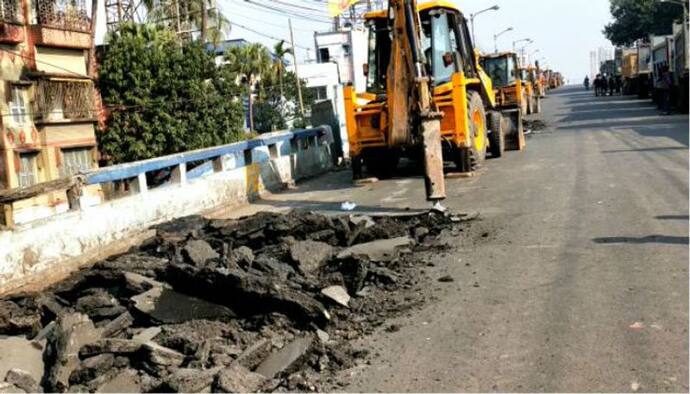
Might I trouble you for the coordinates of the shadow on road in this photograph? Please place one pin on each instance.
(672, 217)
(661, 148)
(662, 239)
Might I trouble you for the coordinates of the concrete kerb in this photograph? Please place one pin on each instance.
(38, 253)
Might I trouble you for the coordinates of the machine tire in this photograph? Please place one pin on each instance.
(523, 104)
(530, 105)
(497, 138)
(382, 164)
(356, 168)
(469, 159)
(516, 138)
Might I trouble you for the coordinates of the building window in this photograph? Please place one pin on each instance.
(75, 160)
(320, 92)
(28, 172)
(18, 107)
(324, 56)
(9, 11)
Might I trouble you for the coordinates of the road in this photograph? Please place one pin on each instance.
(580, 282)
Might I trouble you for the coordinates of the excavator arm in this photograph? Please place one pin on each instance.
(410, 111)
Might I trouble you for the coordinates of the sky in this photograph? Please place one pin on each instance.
(564, 31)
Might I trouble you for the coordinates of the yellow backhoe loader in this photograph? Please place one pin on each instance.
(511, 91)
(533, 87)
(426, 95)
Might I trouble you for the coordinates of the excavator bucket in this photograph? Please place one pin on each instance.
(433, 157)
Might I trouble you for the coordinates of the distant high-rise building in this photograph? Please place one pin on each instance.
(593, 64)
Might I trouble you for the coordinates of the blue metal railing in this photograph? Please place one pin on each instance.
(131, 170)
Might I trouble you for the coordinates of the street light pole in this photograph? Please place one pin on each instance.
(522, 51)
(472, 16)
(498, 35)
(524, 39)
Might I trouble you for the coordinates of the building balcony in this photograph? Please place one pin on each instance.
(63, 101)
(62, 23)
(11, 22)
(63, 14)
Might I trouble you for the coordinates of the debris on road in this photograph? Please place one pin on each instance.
(348, 206)
(534, 125)
(269, 302)
(446, 279)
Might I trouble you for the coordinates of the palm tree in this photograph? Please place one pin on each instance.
(248, 62)
(280, 51)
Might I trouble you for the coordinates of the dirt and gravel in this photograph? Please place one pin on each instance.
(270, 302)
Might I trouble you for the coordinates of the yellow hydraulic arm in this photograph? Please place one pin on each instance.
(410, 111)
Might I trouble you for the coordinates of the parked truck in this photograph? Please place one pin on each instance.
(680, 70)
(662, 48)
(644, 78)
(629, 63)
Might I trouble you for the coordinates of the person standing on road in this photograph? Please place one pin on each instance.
(611, 84)
(665, 84)
(586, 83)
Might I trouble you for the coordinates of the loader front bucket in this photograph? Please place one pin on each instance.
(515, 138)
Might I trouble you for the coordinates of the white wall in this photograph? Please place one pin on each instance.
(326, 74)
(45, 251)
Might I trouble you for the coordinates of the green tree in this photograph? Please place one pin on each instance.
(249, 62)
(279, 53)
(637, 19)
(163, 97)
(278, 105)
(189, 15)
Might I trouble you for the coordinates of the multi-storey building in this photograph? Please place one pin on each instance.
(48, 104)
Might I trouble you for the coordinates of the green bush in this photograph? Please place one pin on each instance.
(164, 97)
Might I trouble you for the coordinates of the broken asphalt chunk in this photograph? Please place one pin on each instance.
(23, 380)
(238, 379)
(198, 252)
(72, 331)
(310, 255)
(380, 251)
(338, 294)
(283, 360)
(190, 380)
(163, 305)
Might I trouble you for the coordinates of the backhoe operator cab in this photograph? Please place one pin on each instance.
(457, 92)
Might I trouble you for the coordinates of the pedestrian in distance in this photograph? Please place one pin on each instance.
(664, 83)
(586, 83)
(604, 85)
(611, 85)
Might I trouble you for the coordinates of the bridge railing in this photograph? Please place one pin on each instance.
(137, 177)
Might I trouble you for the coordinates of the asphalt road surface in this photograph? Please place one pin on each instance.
(579, 280)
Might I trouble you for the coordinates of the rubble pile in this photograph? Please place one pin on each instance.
(264, 303)
(534, 125)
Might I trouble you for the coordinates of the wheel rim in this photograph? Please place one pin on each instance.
(479, 130)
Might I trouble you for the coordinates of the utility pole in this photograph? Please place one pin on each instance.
(297, 80)
(204, 22)
(92, 51)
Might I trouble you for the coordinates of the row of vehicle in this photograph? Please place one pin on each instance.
(642, 66)
(430, 93)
